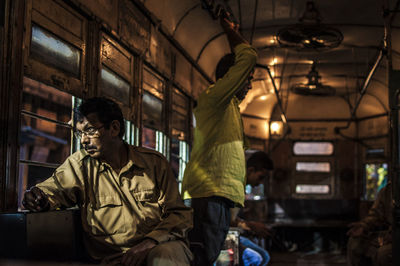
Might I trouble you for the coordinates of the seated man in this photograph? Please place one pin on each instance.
(131, 209)
(366, 245)
(258, 167)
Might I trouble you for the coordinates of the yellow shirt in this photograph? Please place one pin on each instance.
(119, 210)
(217, 162)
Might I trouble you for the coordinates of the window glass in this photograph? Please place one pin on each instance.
(43, 141)
(376, 179)
(375, 153)
(45, 132)
(312, 189)
(174, 160)
(313, 148)
(45, 135)
(149, 138)
(55, 52)
(179, 126)
(131, 133)
(180, 120)
(152, 111)
(113, 85)
(179, 158)
(324, 167)
(153, 84)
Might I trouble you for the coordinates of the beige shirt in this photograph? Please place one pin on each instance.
(120, 210)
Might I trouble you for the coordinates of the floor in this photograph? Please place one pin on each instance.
(307, 259)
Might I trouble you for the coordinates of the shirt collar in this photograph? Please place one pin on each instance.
(134, 158)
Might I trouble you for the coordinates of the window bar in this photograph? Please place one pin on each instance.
(35, 163)
(128, 132)
(160, 142)
(135, 135)
(27, 113)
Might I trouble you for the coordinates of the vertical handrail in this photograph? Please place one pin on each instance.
(284, 118)
(394, 82)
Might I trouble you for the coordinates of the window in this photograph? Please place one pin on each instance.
(375, 179)
(114, 86)
(324, 167)
(312, 189)
(152, 112)
(180, 131)
(131, 133)
(375, 153)
(51, 50)
(313, 148)
(180, 117)
(255, 193)
(45, 132)
(55, 51)
(179, 159)
(116, 72)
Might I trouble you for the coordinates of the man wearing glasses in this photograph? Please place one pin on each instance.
(131, 209)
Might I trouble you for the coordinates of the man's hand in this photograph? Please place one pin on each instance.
(226, 23)
(231, 29)
(138, 253)
(259, 229)
(356, 229)
(35, 200)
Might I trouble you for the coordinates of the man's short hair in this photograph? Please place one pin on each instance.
(224, 64)
(106, 110)
(260, 160)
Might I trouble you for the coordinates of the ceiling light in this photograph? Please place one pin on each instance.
(313, 86)
(276, 128)
(273, 62)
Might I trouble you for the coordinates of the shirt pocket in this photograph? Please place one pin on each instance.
(150, 210)
(106, 217)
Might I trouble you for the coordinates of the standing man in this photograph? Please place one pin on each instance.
(215, 175)
(131, 209)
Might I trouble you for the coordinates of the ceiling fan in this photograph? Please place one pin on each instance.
(309, 34)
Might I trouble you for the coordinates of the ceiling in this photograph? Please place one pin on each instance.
(345, 67)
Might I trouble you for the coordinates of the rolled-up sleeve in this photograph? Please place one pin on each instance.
(64, 186)
(226, 87)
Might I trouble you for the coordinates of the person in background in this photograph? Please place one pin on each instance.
(214, 178)
(131, 210)
(371, 238)
(258, 168)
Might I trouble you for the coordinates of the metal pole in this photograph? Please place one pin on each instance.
(283, 116)
(394, 86)
(394, 91)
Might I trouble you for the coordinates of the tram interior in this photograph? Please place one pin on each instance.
(320, 103)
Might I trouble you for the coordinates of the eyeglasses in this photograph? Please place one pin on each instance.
(91, 132)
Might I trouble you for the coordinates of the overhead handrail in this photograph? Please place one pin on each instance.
(363, 90)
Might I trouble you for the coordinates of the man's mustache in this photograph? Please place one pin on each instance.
(90, 147)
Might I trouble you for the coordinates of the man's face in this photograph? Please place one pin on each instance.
(241, 94)
(95, 138)
(256, 177)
